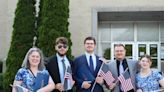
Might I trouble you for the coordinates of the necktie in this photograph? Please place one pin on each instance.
(64, 66)
(121, 68)
(64, 70)
(91, 64)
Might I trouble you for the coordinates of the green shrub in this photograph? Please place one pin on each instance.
(1, 66)
(22, 38)
(53, 23)
(107, 53)
(1, 80)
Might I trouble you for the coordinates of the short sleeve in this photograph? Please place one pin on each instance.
(44, 71)
(158, 75)
(19, 75)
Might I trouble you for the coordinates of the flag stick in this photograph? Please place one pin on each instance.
(97, 75)
(42, 83)
(122, 73)
(64, 78)
(20, 87)
(159, 90)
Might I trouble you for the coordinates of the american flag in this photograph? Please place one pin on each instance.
(20, 88)
(106, 74)
(68, 73)
(126, 82)
(162, 74)
(68, 77)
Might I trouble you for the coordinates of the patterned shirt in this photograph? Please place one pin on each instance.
(149, 83)
(29, 80)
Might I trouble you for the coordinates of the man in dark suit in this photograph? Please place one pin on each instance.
(57, 64)
(119, 65)
(86, 68)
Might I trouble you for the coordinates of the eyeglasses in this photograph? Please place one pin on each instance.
(89, 43)
(60, 46)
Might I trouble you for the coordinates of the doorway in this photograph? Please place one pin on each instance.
(136, 50)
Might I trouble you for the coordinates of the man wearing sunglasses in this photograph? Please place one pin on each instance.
(58, 64)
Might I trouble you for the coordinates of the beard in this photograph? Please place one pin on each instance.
(61, 54)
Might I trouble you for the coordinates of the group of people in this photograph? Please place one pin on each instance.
(37, 76)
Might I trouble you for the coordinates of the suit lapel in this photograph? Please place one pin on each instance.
(98, 64)
(97, 67)
(115, 73)
(130, 67)
(54, 69)
(132, 72)
(85, 62)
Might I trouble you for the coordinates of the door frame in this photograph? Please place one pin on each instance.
(148, 51)
(112, 48)
(135, 48)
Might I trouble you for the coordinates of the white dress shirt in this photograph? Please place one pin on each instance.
(61, 70)
(93, 58)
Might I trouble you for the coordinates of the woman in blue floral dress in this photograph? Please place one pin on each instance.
(148, 80)
(33, 77)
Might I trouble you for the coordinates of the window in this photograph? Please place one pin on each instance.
(147, 32)
(122, 32)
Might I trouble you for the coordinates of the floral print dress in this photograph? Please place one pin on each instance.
(31, 82)
(149, 83)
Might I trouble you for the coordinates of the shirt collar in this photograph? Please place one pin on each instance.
(88, 54)
(123, 61)
(59, 57)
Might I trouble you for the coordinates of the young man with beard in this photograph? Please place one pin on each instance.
(57, 64)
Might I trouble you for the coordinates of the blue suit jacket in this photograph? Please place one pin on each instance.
(82, 72)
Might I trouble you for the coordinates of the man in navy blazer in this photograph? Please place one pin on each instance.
(56, 63)
(86, 68)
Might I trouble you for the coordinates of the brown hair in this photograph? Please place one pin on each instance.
(146, 56)
(90, 38)
(61, 40)
(119, 45)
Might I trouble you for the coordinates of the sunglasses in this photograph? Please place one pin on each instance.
(60, 46)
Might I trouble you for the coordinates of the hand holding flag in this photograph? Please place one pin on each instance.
(68, 77)
(105, 73)
(125, 80)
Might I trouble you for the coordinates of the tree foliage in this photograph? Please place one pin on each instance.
(53, 23)
(22, 38)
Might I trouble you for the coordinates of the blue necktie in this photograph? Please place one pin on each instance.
(91, 64)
